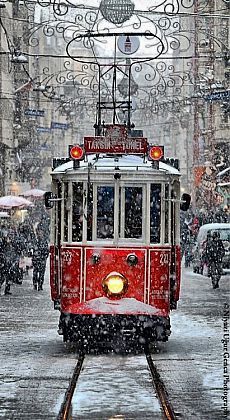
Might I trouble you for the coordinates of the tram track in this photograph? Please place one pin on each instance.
(159, 387)
(65, 411)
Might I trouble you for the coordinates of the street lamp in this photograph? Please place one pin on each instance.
(117, 11)
(127, 86)
(123, 86)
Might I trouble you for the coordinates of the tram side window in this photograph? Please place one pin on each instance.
(105, 212)
(155, 213)
(66, 212)
(166, 213)
(133, 212)
(90, 212)
(77, 218)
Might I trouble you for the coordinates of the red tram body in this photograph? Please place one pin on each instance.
(115, 250)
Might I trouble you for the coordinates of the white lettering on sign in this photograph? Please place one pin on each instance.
(70, 295)
(110, 143)
(119, 145)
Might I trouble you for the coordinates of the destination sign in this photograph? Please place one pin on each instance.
(100, 144)
(115, 140)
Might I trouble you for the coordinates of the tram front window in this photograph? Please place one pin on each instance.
(105, 212)
(133, 212)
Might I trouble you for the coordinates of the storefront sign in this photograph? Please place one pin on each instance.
(43, 129)
(218, 96)
(59, 126)
(34, 112)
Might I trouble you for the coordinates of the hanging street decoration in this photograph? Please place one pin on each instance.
(128, 44)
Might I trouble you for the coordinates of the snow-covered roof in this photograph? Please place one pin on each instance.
(4, 214)
(125, 162)
(215, 226)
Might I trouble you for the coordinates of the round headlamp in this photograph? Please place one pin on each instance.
(115, 284)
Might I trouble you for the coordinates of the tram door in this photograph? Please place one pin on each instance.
(159, 252)
(175, 267)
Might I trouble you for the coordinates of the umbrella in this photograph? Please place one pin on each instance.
(34, 192)
(13, 201)
(4, 215)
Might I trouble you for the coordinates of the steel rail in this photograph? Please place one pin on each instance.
(64, 413)
(160, 389)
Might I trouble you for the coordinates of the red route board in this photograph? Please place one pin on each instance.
(100, 144)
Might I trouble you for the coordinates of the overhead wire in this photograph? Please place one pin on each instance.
(94, 54)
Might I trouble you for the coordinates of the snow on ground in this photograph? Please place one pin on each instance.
(121, 385)
(192, 362)
(35, 366)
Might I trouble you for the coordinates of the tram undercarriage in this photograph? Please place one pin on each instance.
(106, 329)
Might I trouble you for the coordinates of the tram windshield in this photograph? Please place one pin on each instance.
(133, 210)
(105, 212)
(111, 212)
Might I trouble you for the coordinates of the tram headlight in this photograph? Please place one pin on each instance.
(115, 284)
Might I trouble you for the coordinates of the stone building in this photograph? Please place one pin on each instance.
(7, 144)
(211, 106)
(46, 103)
(15, 131)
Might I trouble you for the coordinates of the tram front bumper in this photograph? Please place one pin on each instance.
(104, 328)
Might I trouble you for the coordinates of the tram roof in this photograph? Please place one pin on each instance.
(125, 162)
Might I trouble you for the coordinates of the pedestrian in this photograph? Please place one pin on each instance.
(27, 236)
(2, 264)
(214, 253)
(40, 252)
(19, 246)
(44, 226)
(5, 264)
(204, 257)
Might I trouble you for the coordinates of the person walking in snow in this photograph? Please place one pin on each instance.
(214, 253)
(39, 257)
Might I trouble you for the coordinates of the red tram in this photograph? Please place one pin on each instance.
(115, 249)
